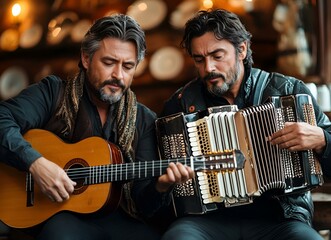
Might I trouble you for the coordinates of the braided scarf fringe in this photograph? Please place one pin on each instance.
(68, 108)
(126, 123)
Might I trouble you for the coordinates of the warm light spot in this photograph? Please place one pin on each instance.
(208, 4)
(16, 9)
(52, 24)
(56, 32)
(142, 6)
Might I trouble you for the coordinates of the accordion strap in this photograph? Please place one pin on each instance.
(261, 79)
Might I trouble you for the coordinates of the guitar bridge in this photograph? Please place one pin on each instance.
(29, 183)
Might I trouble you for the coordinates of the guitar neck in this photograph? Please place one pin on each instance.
(145, 169)
(123, 172)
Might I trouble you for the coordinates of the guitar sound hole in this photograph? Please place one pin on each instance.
(76, 173)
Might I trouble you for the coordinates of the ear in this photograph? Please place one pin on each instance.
(243, 50)
(85, 60)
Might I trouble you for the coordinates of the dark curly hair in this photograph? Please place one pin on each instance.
(224, 25)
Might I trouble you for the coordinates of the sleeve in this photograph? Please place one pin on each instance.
(30, 109)
(148, 200)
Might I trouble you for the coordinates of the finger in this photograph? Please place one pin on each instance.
(184, 173)
(288, 128)
(291, 145)
(170, 175)
(175, 171)
(54, 196)
(59, 195)
(70, 186)
(64, 195)
(190, 171)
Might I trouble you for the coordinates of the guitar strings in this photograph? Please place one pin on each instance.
(143, 169)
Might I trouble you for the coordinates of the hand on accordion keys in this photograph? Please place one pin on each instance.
(176, 173)
(298, 136)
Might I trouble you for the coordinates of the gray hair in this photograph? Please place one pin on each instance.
(118, 26)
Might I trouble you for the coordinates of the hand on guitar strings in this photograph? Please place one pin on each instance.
(52, 180)
(176, 173)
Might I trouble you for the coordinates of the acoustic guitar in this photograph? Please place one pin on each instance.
(96, 165)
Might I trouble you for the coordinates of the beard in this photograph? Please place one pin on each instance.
(114, 96)
(228, 82)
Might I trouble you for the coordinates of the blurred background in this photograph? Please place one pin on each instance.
(41, 37)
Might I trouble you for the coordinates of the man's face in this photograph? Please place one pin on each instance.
(217, 62)
(111, 69)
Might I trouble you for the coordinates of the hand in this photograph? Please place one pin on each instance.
(176, 174)
(298, 136)
(52, 180)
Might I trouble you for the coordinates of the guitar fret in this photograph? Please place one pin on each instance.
(95, 174)
(95, 180)
(98, 174)
(112, 172)
(145, 168)
(103, 173)
(107, 172)
(121, 172)
(132, 170)
(89, 180)
(153, 169)
(116, 172)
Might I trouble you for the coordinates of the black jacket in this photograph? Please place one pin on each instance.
(255, 89)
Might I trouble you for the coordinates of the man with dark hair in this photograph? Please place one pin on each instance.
(98, 101)
(219, 45)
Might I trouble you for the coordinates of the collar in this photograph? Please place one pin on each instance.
(242, 99)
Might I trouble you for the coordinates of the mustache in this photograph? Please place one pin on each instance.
(213, 75)
(113, 81)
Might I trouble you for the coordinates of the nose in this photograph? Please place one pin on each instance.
(117, 72)
(209, 65)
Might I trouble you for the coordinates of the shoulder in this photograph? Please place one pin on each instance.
(184, 97)
(281, 84)
(145, 121)
(51, 82)
(190, 88)
(144, 113)
(48, 87)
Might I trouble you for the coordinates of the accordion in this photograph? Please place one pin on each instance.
(266, 167)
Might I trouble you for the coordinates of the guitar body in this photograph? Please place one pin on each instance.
(86, 198)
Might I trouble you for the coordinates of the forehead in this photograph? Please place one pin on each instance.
(208, 43)
(117, 48)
